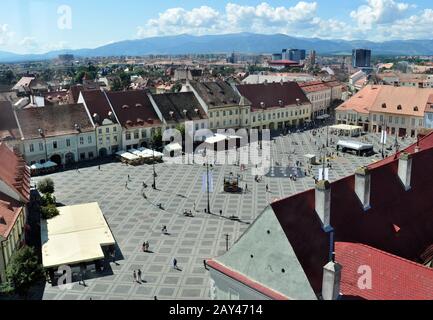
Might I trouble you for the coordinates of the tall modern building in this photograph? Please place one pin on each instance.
(290, 54)
(361, 58)
(297, 54)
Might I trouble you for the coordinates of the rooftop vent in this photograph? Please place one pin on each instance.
(262, 104)
(280, 102)
(150, 120)
(125, 106)
(140, 120)
(77, 127)
(298, 101)
(138, 105)
(41, 132)
(197, 111)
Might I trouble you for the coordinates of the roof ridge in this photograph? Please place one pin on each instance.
(388, 254)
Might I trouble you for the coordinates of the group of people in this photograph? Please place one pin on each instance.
(188, 213)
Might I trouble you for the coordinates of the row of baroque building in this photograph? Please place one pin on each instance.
(86, 122)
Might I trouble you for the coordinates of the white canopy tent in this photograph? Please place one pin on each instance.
(173, 147)
(75, 236)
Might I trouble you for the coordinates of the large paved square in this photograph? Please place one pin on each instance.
(134, 219)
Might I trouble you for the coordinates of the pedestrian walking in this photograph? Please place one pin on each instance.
(147, 246)
(246, 187)
(134, 274)
(139, 275)
(126, 185)
(164, 229)
(99, 167)
(267, 188)
(143, 247)
(175, 264)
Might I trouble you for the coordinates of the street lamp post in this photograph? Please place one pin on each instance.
(154, 172)
(207, 182)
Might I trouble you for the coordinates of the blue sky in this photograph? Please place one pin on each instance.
(38, 25)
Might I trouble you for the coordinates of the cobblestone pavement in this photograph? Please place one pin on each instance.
(134, 219)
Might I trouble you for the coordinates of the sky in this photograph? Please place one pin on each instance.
(36, 26)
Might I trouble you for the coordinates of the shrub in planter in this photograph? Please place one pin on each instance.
(49, 211)
(46, 186)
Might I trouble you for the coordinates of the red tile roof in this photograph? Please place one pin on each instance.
(133, 109)
(272, 93)
(392, 277)
(391, 205)
(14, 172)
(9, 212)
(97, 103)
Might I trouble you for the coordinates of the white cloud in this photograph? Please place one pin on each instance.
(262, 18)
(5, 34)
(178, 20)
(375, 20)
(379, 12)
(29, 43)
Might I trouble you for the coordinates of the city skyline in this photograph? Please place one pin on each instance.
(39, 26)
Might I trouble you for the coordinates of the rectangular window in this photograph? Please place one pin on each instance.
(115, 138)
(128, 136)
(90, 155)
(114, 129)
(81, 140)
(107, 130)
(196, 126)
(55, 144)
(100, 131)
(68, 142)
(82, 156)
(136, 135)
(202, 125)
(89, 139)
(41, 146)
(32, 148)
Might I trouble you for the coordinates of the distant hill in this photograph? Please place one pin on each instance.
(239, 42)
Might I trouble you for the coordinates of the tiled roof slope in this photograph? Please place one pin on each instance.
(391, 205)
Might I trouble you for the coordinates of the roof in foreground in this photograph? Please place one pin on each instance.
(76, 235)
(14, 172)
(392, 277)
(391, 205)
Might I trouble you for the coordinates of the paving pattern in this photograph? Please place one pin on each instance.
(134, 219)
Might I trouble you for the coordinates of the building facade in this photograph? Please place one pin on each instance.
(398, 110)
(63, 134)
(136, 115)
(107, 128)
(223, 105)
(276, 106)
(14, 197)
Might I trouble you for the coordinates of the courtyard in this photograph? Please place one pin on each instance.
(134, 218)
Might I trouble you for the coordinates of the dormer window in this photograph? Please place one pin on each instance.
(415, 108)
(399, 107)
(125, 106)
(138, 105)
(171, 113)
(383, 105)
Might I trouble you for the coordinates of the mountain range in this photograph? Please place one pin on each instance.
(240, 42)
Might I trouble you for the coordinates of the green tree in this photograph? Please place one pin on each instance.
(23, 271)
(48, 199)
(176, 87)
(46, 186)
(157, 138)
(49, 211)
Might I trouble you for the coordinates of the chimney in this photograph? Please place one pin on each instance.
(362, 186)
(405, 169)
(323, 203)
(331, 281)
